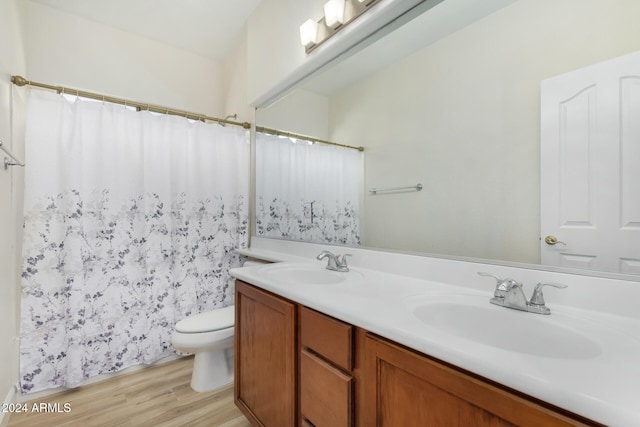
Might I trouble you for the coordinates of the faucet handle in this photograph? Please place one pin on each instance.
(502, 285)
(495, 276)
(538, 298)
(322, 255)
(342, 259)
(341, 262)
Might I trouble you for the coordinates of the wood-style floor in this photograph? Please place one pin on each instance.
(155, 396)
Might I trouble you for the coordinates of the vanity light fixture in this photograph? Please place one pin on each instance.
(337, 15)
(309, 33)
(334, 13)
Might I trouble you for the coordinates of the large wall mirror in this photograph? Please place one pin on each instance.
(465, 100)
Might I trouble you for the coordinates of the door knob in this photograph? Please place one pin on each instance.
(552, 240)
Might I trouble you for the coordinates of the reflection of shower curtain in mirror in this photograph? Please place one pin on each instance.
(131, 221)
(307, 192)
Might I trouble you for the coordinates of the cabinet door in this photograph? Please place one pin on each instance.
(325, 393)
(265, 357)
(413, 390)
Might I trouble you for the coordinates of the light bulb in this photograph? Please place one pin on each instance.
(308, 33)
(334, 13)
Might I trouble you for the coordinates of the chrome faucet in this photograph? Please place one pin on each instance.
(502, 285)
(334, 262)
(509, 294)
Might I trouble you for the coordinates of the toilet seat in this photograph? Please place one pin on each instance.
(209, 321)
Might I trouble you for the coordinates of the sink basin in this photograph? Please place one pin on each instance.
(473, 318)
(301, 274)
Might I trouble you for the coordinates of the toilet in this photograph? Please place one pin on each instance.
(210, 336)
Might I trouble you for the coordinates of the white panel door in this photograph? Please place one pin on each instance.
(590, 167)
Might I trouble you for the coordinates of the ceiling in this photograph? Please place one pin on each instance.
(210, 28)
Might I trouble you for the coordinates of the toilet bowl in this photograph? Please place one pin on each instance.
(209, 336)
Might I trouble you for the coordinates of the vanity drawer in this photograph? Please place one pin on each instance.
(325, 393)
(330, 338)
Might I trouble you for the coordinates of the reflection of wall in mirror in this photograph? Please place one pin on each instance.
(462, 117)
(302, 112)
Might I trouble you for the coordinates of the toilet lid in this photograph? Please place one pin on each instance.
(208, 321)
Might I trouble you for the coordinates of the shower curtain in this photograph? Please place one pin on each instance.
(130, 221)
(308, 192)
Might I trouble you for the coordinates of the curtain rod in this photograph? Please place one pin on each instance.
(21, 81)
(308, 138)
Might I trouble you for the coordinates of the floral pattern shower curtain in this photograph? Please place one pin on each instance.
(131, 219)
(308, 192)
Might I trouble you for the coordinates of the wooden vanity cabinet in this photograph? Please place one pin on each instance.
(265, 357)
(410, 389)
(296, 366)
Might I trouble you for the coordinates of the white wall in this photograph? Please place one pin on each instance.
(234, 86)
(12, 61)
(302, 112)
(273, 38)
(64, 49)
(462, 117)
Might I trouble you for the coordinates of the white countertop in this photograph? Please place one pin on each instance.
(604, 387)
